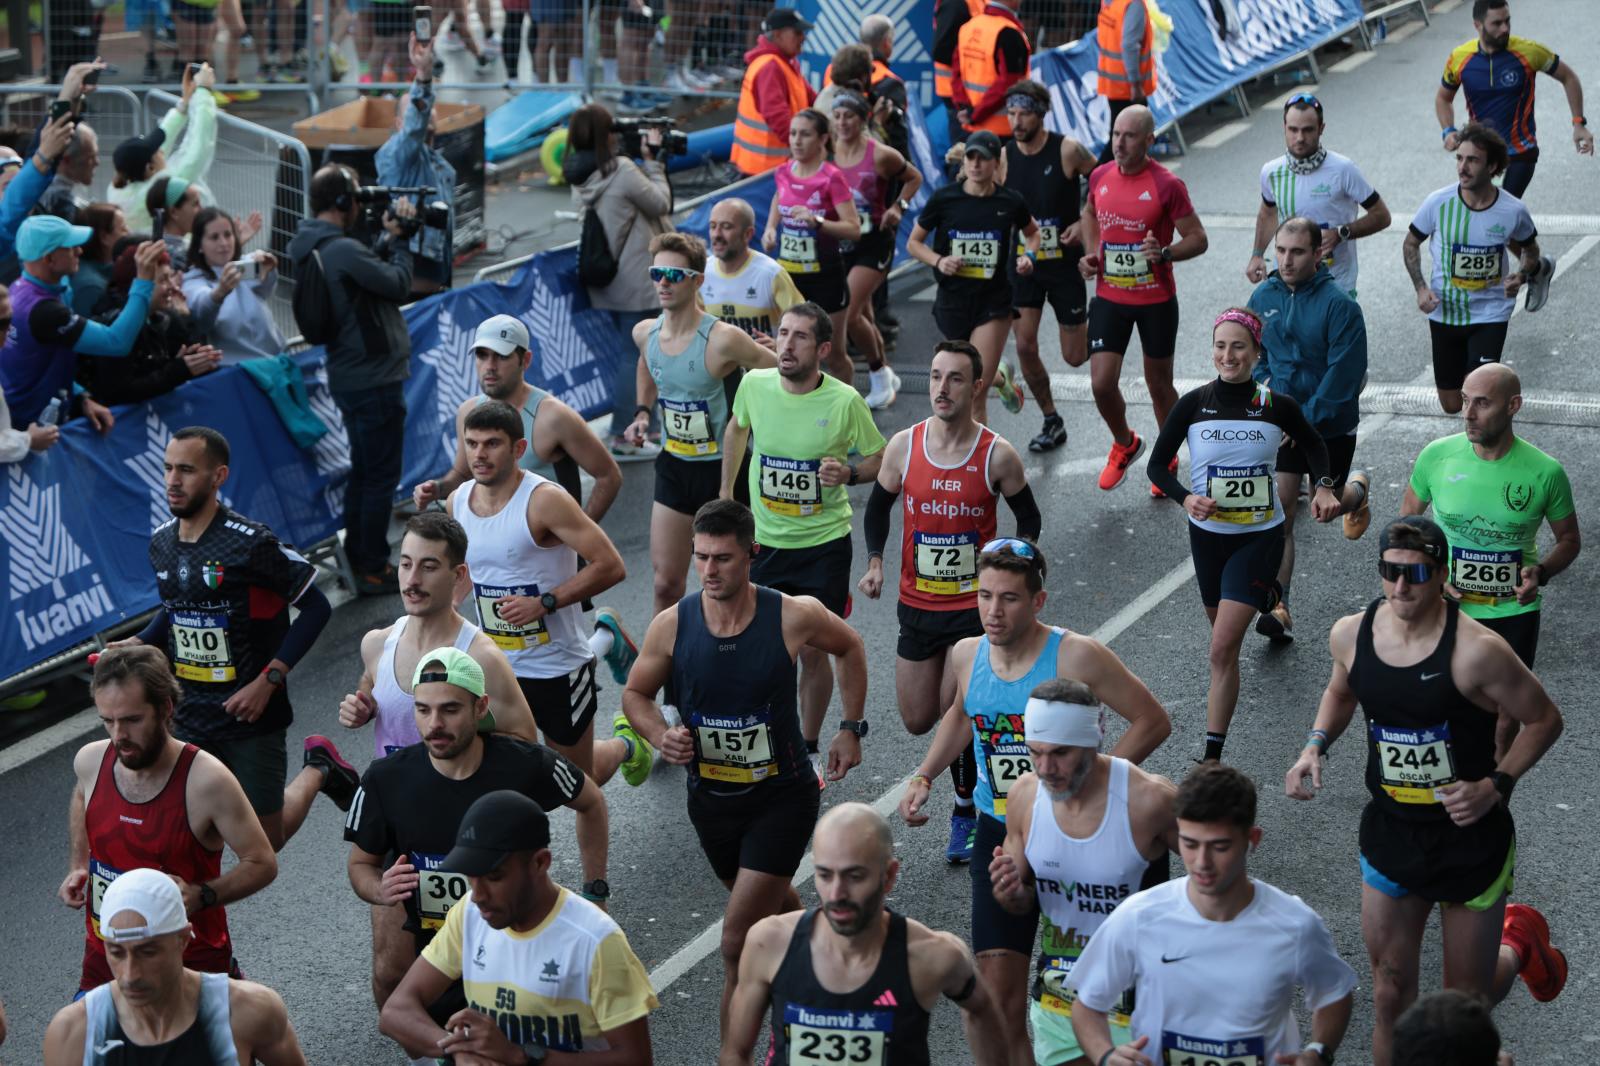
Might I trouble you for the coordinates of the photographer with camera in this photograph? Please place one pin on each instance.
(630, 203)
(408, 158)
(348, 297)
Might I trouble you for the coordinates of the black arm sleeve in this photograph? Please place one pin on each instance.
(876, 523)
(1305, 438)
(315, 610)
(1029, 520)
(1165, 449)
(156, 631)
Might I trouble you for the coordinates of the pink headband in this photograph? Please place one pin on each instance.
(1249, 322)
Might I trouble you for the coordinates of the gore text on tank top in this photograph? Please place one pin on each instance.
(694, 404)
(996, 708)
(1079, 882)
(208, 1042)
(156, 834)
(394, 725)
(1051, 194)
(950, 512)
(879, 1024)
(1422, 733)
(737, 696)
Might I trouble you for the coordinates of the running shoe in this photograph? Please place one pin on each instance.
(384, 583)
(245, 96)
(963, 835)
(1051, 437)
(623, 452)
(821, 768)
(339, 779)
(1544, 968)
(1117, 462)
(1157, 494)
(883, 391)
(1538, 286)
(1276, 625)
(636, 767)
(623, 650)
(152, 72)
(1357, 521)
(678, 82)
(1006, 386)
(451, 42)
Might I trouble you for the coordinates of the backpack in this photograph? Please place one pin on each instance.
(313, 302)
(597, 266)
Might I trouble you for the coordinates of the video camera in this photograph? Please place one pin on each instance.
(376, 201)
(673, 140)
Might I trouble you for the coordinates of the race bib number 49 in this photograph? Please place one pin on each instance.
(1178, 1049)
(200, 646)
(947, 563)
(1413, 763)
(1243, 493)
(688, 427)
(437, 890)
(791, 486)
(1485, 576)
(1125, 265)
(1475, 266)
(509, 636)
(835, 1037)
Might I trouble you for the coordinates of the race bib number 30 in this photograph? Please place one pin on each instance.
(508, 635)
(1006, 759)
(1178, 1049)
(1413, 763)
(791, 486)
(947, 563)
(832, 1037)
(437, 890)
(734, 747)
(688, 427)
(1125, 265)
(1243, 493)
(1474, 266)
(200, 646)
(979, 252)
(1485, 576)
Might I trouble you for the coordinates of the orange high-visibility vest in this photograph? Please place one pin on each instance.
(756, 148)
(942, 74)
(880, 71)
(1114, 81)
(976, 64)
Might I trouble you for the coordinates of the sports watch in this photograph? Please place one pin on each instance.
(1325, 483)
(596, 891)
(858, 728)
(1321, 1049)
(208, 896)
(274, 676)
(1166, 254)
(905, 205)
(549, 601)
(535, 1053)
(1344, 233)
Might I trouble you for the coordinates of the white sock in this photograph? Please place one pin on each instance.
(963, 801)
(600, 641)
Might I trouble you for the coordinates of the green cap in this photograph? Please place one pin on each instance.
(460, 670)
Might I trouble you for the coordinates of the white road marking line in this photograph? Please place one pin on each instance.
(925, 295)
(47, 740)
(1445, 6)
(1222, 135)
(1351, 62)
(1410, 29)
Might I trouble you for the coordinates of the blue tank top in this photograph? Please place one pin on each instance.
(996, 707)
(694, 405)
(737, 696)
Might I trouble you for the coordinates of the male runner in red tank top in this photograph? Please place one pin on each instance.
(145, 799)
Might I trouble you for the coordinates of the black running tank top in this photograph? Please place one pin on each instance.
(737, 696)
(879, 1024)
(1422, 733)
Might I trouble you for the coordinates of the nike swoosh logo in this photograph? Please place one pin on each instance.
(1178, 958)
(1430, 677)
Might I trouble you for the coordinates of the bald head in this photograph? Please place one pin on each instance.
(1131, 137)
(858, 832)
(732, 225)
(1136, 119)
(1494, 379)
(1490, 399)
(734, 210)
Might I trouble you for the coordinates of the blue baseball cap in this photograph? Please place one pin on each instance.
(40, 235)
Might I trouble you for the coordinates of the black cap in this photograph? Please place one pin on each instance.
(496, 825)
(785, 18)
(984, 143)
(1434, 543)
(134, 154)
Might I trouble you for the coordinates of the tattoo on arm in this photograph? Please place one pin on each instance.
(1412, 253)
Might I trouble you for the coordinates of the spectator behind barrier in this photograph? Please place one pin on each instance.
(229, 309)
(633, 203)
(94, 269)
(15, 444)
(24, 175)
(140, 160)
(408, 158)
(69, 192)
(173, 204)
(369, 358)
(40, 355)
(166, 352)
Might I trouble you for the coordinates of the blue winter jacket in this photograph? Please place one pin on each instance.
(1314, 349)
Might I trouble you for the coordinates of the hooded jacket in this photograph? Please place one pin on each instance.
(373, 346)
(1314, 345)
(633, 203)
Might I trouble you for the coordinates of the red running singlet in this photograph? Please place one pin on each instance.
(950, 512)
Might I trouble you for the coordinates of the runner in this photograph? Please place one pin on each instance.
(1501, 95)
(861, 986)
(412, 801)
(1491, 490)
(523, 546)
(1045, 167)
(953, 471)
(692, 364)
(1135, 204)
(1267, 943)
(730, 652)
(871, 169)
(1234, 428)
(156, 1010)
(1314, 351)
(226, 586)
(1438, 829)
(993, 675)
(1076, 850)
(544, 972)
(742, 286)
(1326, 187)
(145, 798)
(964, 233)
(812, 211)
(1469, 296)
(809, 437)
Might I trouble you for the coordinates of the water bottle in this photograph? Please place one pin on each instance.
(51, 415)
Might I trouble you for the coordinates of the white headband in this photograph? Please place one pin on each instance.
(1070, 724)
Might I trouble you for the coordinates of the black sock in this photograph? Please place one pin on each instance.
(811, 747)
(1214, 742)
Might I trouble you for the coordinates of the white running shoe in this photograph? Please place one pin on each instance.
(882, 391)
(451, 42)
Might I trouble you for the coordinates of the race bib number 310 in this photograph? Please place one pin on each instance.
(1178, 1049)
(1413, 763)
(200, 646)
(836, 1037)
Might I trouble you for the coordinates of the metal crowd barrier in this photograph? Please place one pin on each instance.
(112, 111)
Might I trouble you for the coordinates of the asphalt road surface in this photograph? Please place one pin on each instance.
(1119, 570)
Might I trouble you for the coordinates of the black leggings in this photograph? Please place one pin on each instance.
(511, 41)
(1519, 172)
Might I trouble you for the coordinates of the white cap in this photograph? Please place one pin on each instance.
(150, 894)
(502, 334)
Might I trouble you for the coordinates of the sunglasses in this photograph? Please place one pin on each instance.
(1011, 546)
(1303, 100)
(672, 275)
(1414, 573)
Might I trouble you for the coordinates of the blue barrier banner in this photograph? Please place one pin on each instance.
(75, 521)
(1203, 60)
(840, 24)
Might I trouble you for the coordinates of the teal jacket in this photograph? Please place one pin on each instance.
(1314, 349)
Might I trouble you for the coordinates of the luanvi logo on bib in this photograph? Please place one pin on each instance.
(49, 596)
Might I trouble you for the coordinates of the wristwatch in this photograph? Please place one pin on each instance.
(596, 891)
(1322, 1051)
(1503, 784)
(535, 1053)
(208, 896)
(1344, 233)
(905, 205)
(1166, 254)
(1325, 483)
(853, 474)
(858, 728)
(549, 601)
(274, 676)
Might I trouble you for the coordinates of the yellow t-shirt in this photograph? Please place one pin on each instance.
(562, 984)
(754, 297)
